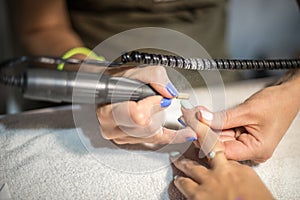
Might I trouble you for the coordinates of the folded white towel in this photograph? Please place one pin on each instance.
(42, 157)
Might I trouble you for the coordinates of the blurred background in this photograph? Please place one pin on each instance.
(257, 29)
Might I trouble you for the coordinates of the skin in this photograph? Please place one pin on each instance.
(45, 27)
(224, 180)
(253, 129)
(141, 122)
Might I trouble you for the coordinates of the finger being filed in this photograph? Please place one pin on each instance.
(204, 115)
(186, 186)
(191, 169)
(207, 138)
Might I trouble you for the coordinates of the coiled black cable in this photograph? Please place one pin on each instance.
(209, 64)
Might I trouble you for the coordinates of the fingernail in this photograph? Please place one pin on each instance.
(174, 153)
(165, 102)
(175, 177)
(186, 104)
(191, 139)
(172, 90)
(206, 115)
(181, 121)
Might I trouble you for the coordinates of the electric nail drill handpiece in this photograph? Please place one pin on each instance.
(82, 87)
(78, 87)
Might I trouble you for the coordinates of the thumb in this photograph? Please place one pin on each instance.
(227, 119)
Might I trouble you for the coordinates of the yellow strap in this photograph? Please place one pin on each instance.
(79, 50)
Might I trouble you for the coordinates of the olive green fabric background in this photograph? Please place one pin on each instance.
(202, 20)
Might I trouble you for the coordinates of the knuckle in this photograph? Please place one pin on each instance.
(267, 154)
(159, 138)
(182, 181)
(226, 117)
(140, 115)
(118, 141)
(195, 196)
(188, 166)
(139, 118)
(158, 71)
(106, 136)
(245, 168)
(103, 113)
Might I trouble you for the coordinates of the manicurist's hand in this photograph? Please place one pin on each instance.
(224, 180)
(142, 121)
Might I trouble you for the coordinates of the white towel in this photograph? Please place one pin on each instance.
(42, 157)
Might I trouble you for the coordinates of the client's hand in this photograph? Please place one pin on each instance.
(224, 180)
(255, 127)
(142, 121)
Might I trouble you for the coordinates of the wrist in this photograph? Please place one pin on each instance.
(291, 89)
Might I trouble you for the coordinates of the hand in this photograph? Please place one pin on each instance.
(224, 180)
(253, 129)
(142, 121)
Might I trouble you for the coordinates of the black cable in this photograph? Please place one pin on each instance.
(209, 64)
(155, 59)
(166, 60)
(51, 85)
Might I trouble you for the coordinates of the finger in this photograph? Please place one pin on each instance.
(163, 136)
(157, 77)
(230, 118)
(111, 123)
(110, 134)
(217, 158)
(243, 148)
(186, 186)
(192, 169)
(207, 138)
(138, 114)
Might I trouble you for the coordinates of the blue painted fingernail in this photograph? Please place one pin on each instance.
(191, 139)
(180, 120)
(165, 102)
(172, 90)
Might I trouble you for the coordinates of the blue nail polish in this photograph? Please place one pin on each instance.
(172, 90)
(165, 102)
(191, 139)
(181, 122)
